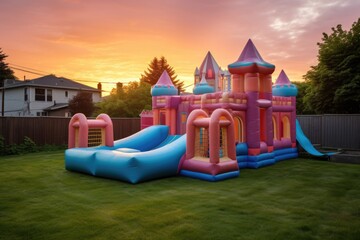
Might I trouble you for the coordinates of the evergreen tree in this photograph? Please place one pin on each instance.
(156, 68)
(5, 73)
(335, 81)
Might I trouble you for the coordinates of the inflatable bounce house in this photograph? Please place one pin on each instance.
(234, 119)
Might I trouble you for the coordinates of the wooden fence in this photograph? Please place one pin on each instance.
(332, 131)
(54, 130)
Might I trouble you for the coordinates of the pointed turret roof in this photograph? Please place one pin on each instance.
(164, 86)
(282, 79)
(249, 61)
(209, 66)
(283, 87)
(197, 72)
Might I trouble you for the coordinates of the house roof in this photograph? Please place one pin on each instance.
(56, 106)
(50, 81)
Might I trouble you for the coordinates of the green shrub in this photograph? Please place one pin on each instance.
(29, 145)
(2, 146)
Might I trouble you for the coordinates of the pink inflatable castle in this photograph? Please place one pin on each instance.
(234, 119)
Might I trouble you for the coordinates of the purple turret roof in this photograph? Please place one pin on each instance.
(209, 66)
(283, 87)
(250, 53)
(282, 79)
(250, 60)
(164, 80)
(164, 86)
(197, 72)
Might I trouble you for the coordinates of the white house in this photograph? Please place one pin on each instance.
(44, 96)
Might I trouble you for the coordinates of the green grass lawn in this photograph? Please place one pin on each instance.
(295, 199)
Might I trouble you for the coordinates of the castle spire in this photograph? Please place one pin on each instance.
(203, 87)
(250, 61)
(283, 87)
(164, 86)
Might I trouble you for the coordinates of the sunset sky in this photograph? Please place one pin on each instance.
(114, 40)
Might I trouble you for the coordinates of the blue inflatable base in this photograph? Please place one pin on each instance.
(286, 156)
(286, 153)
(208, 177)
(266, 159)
(260, 164)
(242, 165)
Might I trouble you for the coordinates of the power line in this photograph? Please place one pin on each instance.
(40, 74)
(33, 69)
(21, 68)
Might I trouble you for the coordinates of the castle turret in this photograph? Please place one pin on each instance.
(252, 75)
(212, 71)
(283, 87)
(163, 102)
(250, 61)
(203, 87)
(288, 91)
(164, 86)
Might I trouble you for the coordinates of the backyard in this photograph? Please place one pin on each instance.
(294, 199)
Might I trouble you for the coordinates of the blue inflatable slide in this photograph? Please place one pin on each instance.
(149, 154)
(306, 144)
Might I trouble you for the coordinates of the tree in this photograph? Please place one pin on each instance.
(127, 102)
(335, 80)
(82, 103)
(301, 107)
(156, 68)
(5, 73)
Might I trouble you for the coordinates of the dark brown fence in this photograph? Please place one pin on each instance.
(54, 130)
(332, 130)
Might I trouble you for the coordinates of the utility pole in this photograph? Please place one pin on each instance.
(3, 97)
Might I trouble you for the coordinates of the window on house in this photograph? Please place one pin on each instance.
(49, 95)
(25, 94)
(66, 94)
(39, 94)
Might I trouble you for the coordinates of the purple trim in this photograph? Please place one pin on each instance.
(253, 121)
(283, 143)
(277, 108)
(263, 103)
(269, 127)
(263, 147)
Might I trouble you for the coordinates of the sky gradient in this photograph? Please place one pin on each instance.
(114, 40)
